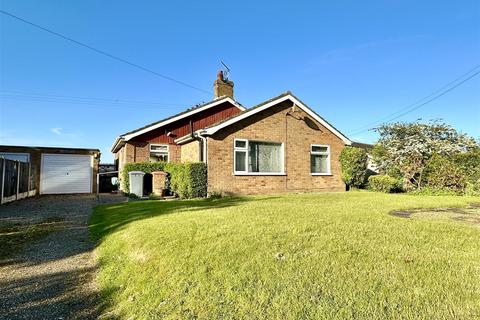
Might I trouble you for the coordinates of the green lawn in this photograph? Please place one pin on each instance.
(315, 256)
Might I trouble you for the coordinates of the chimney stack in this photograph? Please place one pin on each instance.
(222, 86)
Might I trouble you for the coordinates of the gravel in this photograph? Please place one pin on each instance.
(51, 277)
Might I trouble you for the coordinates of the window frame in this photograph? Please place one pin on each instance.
(322, 153)
(156, 145)
(245, 150)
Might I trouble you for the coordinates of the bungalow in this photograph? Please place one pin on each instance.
(278, 146)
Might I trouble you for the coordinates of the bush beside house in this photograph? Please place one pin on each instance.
(187, 180)
(147, 167)
(354, 162)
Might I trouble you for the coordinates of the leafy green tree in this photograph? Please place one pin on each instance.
(407, 147)
(354, 166)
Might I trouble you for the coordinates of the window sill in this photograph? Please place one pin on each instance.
(259, 174)
(321, 174)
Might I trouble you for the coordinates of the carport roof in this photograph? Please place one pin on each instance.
(37, 148)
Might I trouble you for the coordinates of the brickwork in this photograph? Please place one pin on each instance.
(222, 88)
(296, 133)
(190, 152)
(140, 152)
(158, 183)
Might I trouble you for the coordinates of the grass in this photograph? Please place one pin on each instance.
(316, 256)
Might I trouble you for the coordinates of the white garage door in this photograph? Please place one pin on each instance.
(66, 173)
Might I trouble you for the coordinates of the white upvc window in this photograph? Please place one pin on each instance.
(159, 153)
(320, 160)
(258, 157)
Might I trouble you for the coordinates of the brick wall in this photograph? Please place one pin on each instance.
(273, 125)
(222, 88)
(190, 152)
(140, 152)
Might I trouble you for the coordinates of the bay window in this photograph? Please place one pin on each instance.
(319, 159)
(258, 157)
(159, 153)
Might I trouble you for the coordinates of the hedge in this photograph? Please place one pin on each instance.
(442, 173)
(354, 166)
(469, 164)
(147, 167)
(187, 180)
(384, 184)
(473, 188)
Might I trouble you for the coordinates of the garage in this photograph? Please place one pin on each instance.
(65, 173)
(57, 170)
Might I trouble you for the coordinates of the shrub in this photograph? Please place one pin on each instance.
(442, 173)
(384, 184)
(198, 178)
(147, 167)
(354, 166)
(469, 164)
(187, 180)
(473, 188)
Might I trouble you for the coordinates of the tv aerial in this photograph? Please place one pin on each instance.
(226, 70)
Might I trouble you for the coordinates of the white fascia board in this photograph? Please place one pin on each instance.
(299, 104)
(164, 123)
(116, 143)
(184, 139)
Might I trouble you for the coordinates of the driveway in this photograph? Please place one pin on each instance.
(47, 267)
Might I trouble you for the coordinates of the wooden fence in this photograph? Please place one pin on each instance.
(17, 180)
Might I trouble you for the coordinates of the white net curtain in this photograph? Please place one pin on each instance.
(264, 157)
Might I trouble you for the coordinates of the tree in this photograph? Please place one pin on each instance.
(354, 166)
(407, 147)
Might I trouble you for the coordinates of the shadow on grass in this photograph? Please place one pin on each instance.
(110, 218)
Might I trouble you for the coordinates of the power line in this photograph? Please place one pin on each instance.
(416, 102)
(104, 53)
(96, 104)
(8, 94)
(431, 97)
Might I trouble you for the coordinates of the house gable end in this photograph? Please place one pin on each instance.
(288, 97)
(183, 115)
(202, 116)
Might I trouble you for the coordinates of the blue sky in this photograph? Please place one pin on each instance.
(351, 61)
